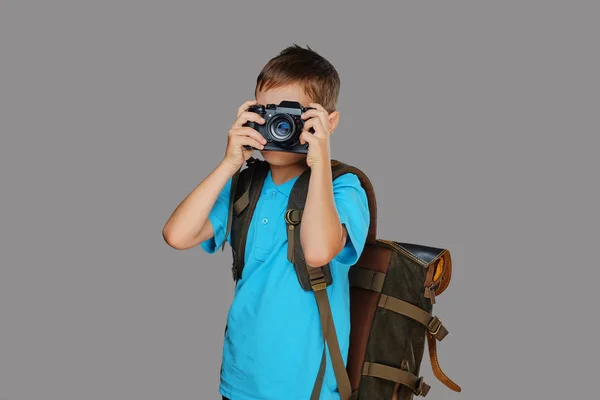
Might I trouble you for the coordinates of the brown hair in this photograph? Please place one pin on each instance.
(296, 65)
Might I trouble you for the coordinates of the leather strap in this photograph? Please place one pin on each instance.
(435, 331)
(329, 339)
(433, 324)
(366, 279)
(435, 365)
(242, 202)
(251, 181)
(244, 199)
(418, 386)
(324, 316)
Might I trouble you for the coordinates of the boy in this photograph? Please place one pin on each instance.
(273, 343)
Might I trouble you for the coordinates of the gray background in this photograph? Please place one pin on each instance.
(475, 121)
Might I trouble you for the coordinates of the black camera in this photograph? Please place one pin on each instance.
(283, 126)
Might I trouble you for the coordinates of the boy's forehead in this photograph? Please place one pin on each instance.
(289, 92)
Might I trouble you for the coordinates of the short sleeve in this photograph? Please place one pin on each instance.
(353, 210)
(218, 218)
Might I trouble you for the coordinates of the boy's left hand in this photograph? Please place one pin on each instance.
(318, 142)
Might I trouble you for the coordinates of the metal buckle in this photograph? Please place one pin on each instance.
(288, 218)
(419, 390)
(435, 321)
(317, 282)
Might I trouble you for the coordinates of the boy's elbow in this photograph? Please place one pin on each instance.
(318, 257)
(172, 240)
(316, 262)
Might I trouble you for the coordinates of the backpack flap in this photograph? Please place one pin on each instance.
(437, 263)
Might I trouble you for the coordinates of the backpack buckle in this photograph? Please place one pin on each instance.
(434, 326)
(421, 388)
(318, 283)
(293, 216)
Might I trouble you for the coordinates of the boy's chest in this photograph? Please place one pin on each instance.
(267, 232)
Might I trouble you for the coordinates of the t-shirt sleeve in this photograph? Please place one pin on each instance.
(218, 218)
(353, 210)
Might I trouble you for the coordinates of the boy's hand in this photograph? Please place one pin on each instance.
(318, 142)
(239, 135)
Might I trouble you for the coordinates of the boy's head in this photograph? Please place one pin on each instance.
(302, 75)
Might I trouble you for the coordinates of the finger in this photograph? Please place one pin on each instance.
(322, 115)
(317, 106)
(245, 106)
(248, 141)
(307, 137)
(248, 132)
(320, 108)
(315, 113)
(248, 116)
(316, 124)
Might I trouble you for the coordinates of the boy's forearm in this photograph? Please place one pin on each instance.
(321, 234)
(187, 226)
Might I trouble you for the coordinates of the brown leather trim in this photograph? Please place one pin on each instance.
(433, 324)
(429, 276)
(435, 365)
(375, 257)
(363, 304)
(366, 279)
(447, 273)
(418, 386)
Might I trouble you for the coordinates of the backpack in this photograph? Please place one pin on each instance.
(393, 287)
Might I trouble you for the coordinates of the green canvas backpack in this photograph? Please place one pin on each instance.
(393, 287)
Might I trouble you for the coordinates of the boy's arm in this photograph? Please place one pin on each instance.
(335, 221)
(195, 218)
(322, 235)
(189, 225)
(329, 231)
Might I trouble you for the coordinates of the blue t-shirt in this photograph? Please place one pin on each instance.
(273, 343)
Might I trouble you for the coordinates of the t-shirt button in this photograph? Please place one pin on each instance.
(274, 193)
(265, 220)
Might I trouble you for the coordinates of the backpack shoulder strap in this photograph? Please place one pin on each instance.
(246, 186)
(316, 279)
(293, 217)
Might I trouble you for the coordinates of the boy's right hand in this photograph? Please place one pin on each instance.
(240, 136)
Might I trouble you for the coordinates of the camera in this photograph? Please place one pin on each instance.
(283, 126)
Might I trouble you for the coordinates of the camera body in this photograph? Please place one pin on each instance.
(283, 126)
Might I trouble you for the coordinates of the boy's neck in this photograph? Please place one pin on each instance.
(283, 173)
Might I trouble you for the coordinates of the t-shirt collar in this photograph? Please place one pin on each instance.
(285, 188)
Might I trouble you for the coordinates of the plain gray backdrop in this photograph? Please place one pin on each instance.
(477, 123)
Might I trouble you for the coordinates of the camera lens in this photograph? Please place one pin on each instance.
(282, 128)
